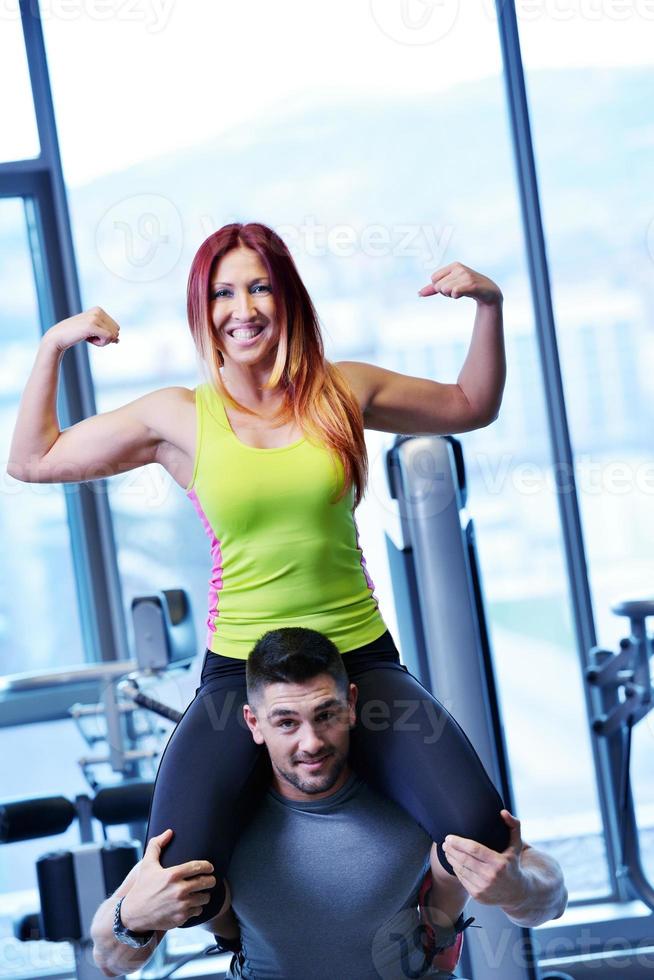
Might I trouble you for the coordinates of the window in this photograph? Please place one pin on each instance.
(19, 138)
(36, 572)
(595, 155)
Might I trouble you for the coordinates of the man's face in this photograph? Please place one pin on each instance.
(306, 729)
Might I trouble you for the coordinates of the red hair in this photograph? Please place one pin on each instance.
(315, 392)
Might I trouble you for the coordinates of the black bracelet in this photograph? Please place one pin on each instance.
(461, 924)
(445, 936)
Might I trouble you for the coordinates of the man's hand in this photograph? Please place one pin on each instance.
(163, 898)
(489, 877)
(525, 883)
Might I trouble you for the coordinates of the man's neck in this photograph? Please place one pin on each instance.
(291, 792)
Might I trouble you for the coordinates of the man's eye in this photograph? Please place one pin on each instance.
(325, 715)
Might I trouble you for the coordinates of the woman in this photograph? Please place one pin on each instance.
(271, 452)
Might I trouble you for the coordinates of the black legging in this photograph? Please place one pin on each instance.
(405, 744)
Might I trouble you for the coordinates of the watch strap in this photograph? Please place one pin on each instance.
(124, 935)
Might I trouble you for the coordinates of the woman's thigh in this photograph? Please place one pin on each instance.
(409, 747)
(210, 778)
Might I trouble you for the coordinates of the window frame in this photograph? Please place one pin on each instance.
(39, 183)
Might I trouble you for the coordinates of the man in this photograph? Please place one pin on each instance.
(326, 877)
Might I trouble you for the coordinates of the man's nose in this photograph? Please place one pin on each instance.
(311, 742)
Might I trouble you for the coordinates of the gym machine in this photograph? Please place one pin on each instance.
(622, 689)
(445, 644)
(73, 882)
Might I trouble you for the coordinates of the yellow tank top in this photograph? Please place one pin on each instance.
(282, 553)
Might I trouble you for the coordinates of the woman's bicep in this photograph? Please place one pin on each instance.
(400, 403)
(102, 445)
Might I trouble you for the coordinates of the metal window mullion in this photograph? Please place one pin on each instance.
(19, 181)
(604, 756)
(92, 539)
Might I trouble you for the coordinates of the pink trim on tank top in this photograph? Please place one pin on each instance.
(216, 579)
(369, 581)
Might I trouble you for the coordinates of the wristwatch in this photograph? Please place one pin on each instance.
(124, 935)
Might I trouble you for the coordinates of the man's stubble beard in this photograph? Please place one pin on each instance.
(295, 778)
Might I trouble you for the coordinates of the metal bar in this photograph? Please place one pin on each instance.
(8, 168)
(29, 707)
(93, 546)
(19, 183)
(580, 599)
(39, 680)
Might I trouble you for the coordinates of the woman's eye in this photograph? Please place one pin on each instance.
(220, 292)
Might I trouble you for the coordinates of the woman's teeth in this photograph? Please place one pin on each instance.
(246, 333)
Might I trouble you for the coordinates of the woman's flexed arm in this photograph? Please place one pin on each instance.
(483, 374)
(394, 402)
(37, 426)
(96, 447)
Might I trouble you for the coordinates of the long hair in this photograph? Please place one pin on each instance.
(315, 392)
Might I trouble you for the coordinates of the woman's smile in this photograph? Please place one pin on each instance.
(246, 336)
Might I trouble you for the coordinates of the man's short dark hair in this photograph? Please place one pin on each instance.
(292, 655)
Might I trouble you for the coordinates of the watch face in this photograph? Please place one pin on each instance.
(130, 939)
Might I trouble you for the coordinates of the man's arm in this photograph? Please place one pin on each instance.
(224, 924)
(545, 895)
(524, 882)
(155, 899)
(111, 956)
(447, 897)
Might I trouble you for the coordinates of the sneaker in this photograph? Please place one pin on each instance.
(448, 959)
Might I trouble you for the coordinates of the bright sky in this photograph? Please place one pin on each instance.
(133, 80)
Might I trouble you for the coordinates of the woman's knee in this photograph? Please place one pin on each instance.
(483, 823)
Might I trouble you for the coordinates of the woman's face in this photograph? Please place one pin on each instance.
(242, 309)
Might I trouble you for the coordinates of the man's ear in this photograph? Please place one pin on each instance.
(253, 725)
(352, 700)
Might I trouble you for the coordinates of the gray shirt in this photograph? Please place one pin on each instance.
(328, 888)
